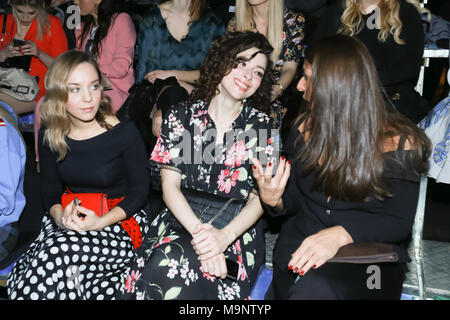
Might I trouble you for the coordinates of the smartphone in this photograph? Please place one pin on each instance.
(19, 42)
(232, 268)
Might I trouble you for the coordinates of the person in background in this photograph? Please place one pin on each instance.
(84, 148)
(285, 31)
(174, 37)
(108, 33)
(12, 164)
(212, 211)
(45, 40)
(64, 10)
(393, 32)
(351, 176)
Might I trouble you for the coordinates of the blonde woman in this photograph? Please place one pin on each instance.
(392, 31)
(84, 149)
(44, 40)
(284, 30)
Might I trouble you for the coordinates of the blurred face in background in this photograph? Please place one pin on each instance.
(25, 14)
(88, 7)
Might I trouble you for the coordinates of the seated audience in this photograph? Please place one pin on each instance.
(285, 31)
(351, 176)
(393, 32)
(108, 33)
(44, 40)
(212, 210)
(12, 161)
(173, 39)
(79, 253)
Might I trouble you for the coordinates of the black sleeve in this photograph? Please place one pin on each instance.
(52, 187)
(407, 66)
(136, 170)
(330, 22)
(396, 221)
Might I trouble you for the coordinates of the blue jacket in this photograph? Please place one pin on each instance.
(12, 170)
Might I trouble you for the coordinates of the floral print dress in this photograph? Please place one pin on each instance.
(167, 266)
(293, 38)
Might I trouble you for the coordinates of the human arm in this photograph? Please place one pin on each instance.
(121, 41)
(12, 161)
(54, 44)
(287, 75)
(189, 76)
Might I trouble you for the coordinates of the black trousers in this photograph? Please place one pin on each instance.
(339, 281)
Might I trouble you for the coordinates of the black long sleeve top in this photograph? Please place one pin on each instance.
(114, 162)
(389, 220)
(395, 63)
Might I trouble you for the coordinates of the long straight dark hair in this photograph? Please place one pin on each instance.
(348, 123)
(107, 12)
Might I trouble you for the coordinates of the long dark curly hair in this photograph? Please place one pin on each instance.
(222, 58)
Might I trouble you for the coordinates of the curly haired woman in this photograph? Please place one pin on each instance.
(212, 210)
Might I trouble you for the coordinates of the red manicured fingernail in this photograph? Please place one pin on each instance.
(314, 266)
(254, 167)
(295, 270)
(290, 267)
(270, 164)
(282, 158)
(289, 161)
(302, 273)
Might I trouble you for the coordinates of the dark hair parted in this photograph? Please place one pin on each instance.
(107, 12)
(348, 123)
(222, 58)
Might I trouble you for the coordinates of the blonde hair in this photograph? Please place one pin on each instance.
(246, 22)
(54, 116)
(43, 21)
(390, 22)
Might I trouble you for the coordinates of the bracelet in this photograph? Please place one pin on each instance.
(281, 86)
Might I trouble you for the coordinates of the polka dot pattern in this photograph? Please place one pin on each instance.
(67, 265)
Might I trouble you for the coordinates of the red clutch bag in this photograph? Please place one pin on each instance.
(97, 202)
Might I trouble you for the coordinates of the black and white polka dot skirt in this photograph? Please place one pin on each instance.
(67, 265)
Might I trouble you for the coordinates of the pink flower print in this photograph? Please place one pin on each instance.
(227, 179)
(131, 280)
(159, 154)
(236, 154)
(207, 275)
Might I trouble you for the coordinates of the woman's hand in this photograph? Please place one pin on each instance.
(78, 218)
(209, 241)
(159, 74)
(215, 266)
(271, 188)
(318, 248)
(30, 49)
(10, 51)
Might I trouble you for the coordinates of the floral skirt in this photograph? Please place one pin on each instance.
(68, 265)
(167, 266)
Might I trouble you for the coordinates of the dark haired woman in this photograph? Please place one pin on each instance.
(85, 149)
(354, 178)
(108, 33)
(174, 37)
(212, 210)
